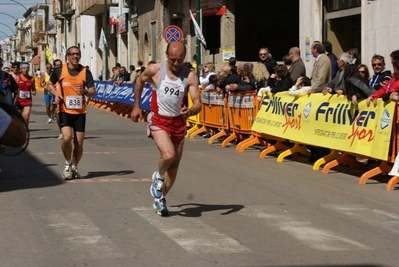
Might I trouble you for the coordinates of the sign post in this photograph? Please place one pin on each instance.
(172, 34)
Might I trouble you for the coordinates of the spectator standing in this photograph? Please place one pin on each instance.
(133, 74)
(354, 52)
(267, 60)
(333, 58)
(298, 67)
(391, 88)
(381, 75)
(356, 86)
(335, 83)
(364, 71)
(321, 73)
(206, 72)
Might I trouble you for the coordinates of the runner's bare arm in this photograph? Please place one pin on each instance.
(33, 88)
(146, 76)
(51, 89)
(91, 91)
(192, 82)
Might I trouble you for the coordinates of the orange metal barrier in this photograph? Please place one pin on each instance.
(242, 109)
(193, 122)
(213, 115)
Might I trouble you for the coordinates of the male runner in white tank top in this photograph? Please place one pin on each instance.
(167, 119)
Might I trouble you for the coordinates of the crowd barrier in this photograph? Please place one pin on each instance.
(350, 131)
(119, 99)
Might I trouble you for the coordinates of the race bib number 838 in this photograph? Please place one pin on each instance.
(74, 102)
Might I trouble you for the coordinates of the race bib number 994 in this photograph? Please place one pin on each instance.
(74, 102)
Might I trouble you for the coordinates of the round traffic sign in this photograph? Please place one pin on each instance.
(172, 34)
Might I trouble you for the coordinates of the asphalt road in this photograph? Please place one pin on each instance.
(227, 208)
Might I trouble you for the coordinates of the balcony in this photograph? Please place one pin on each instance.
(94, 7)
(39, 37)
(63, 9)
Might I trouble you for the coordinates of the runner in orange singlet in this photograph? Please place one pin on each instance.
(73, 78)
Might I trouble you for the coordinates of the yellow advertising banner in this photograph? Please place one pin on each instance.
(328, 121)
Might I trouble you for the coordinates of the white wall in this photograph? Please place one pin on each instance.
(380, 30)
(88, 43)
(311, 26)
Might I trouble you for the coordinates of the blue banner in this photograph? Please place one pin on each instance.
(107, 91)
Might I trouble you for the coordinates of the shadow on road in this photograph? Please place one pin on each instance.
(107, 173)
(198, 209)
(25, 171)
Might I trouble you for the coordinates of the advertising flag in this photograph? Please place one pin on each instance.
(102, 42)
(197, 29)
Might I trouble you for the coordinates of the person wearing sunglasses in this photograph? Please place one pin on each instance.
(267, 59)
(381, 75)
(73, 79)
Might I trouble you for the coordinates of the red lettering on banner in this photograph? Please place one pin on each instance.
(292, 122)
(360, 134)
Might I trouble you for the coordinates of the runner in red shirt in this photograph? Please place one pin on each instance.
(27, 88)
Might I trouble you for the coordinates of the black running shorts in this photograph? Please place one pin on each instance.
(76, 121)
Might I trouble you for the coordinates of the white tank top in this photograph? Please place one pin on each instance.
(168, 94)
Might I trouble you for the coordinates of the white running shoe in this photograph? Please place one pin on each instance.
(60, 136)
(49, 121)
(75, 173)
(67, 172)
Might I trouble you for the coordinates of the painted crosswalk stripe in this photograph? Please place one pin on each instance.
(302, 230)
(72, 232)
(192, 234)
(382, 219)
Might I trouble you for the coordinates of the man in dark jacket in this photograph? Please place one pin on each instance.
(267, 60)
(381, 75)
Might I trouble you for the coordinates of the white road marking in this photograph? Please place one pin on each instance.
(302, 230)
(72, 232)
(192, 234)
(375, 217)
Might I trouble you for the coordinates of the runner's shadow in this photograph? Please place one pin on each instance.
(106, 173)
(198, 209)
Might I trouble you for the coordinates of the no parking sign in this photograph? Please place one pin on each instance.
(172, 34)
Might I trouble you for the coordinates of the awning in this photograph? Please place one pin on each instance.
(36, 60)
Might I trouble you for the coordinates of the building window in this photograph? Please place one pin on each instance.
(337, 5)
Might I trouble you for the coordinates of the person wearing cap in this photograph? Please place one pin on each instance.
(27, 88)
(8, 85)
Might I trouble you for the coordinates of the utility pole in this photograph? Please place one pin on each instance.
(65, 29)
(106, 70)
(198, 42)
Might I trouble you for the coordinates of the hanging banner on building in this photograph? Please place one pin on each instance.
(49, 55)
(328, 121)
(123, 23)
(113, 15)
